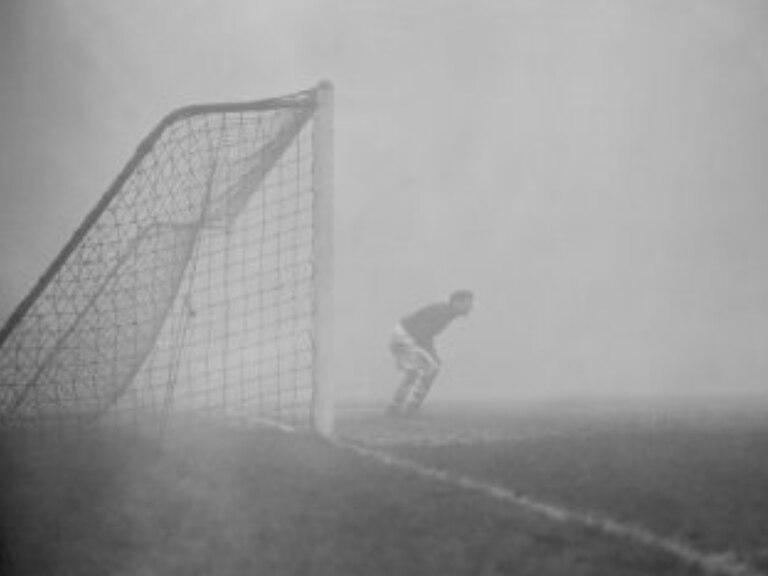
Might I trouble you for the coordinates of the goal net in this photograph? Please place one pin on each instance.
(199, 284)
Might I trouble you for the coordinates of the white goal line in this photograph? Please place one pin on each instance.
(713, 564)
(721, 564)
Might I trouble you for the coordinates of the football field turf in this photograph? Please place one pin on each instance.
(222, 500)
(688, 476)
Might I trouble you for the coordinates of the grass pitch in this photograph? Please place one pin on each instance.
(217, 500)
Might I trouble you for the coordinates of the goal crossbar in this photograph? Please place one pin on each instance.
(226, 205)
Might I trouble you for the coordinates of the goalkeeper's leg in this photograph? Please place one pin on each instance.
(403, 392)
(420, 391)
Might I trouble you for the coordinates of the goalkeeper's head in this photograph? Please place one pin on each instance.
(461, 302)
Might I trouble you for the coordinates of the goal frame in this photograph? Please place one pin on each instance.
(323, 143)
(320, 100)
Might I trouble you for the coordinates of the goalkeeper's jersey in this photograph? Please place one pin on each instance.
(426, 323)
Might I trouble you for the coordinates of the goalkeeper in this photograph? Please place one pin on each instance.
(413, 347)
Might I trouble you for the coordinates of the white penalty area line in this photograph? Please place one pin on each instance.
(724, 564)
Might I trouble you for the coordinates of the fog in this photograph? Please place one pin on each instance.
(594, 171)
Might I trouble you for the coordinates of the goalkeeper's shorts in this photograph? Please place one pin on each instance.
(409, 355)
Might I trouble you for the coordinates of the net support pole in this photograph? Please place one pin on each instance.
(323, 400)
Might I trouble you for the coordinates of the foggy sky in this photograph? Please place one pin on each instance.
(595, 171)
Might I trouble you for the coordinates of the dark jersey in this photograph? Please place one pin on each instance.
(426, 323)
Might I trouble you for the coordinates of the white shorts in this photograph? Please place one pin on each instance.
(409, 355)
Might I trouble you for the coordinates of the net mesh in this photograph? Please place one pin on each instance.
(190, 288)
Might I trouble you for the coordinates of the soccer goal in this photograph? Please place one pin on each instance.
(201, 282)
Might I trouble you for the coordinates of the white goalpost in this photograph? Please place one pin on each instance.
(200, 284)
(323, 407)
